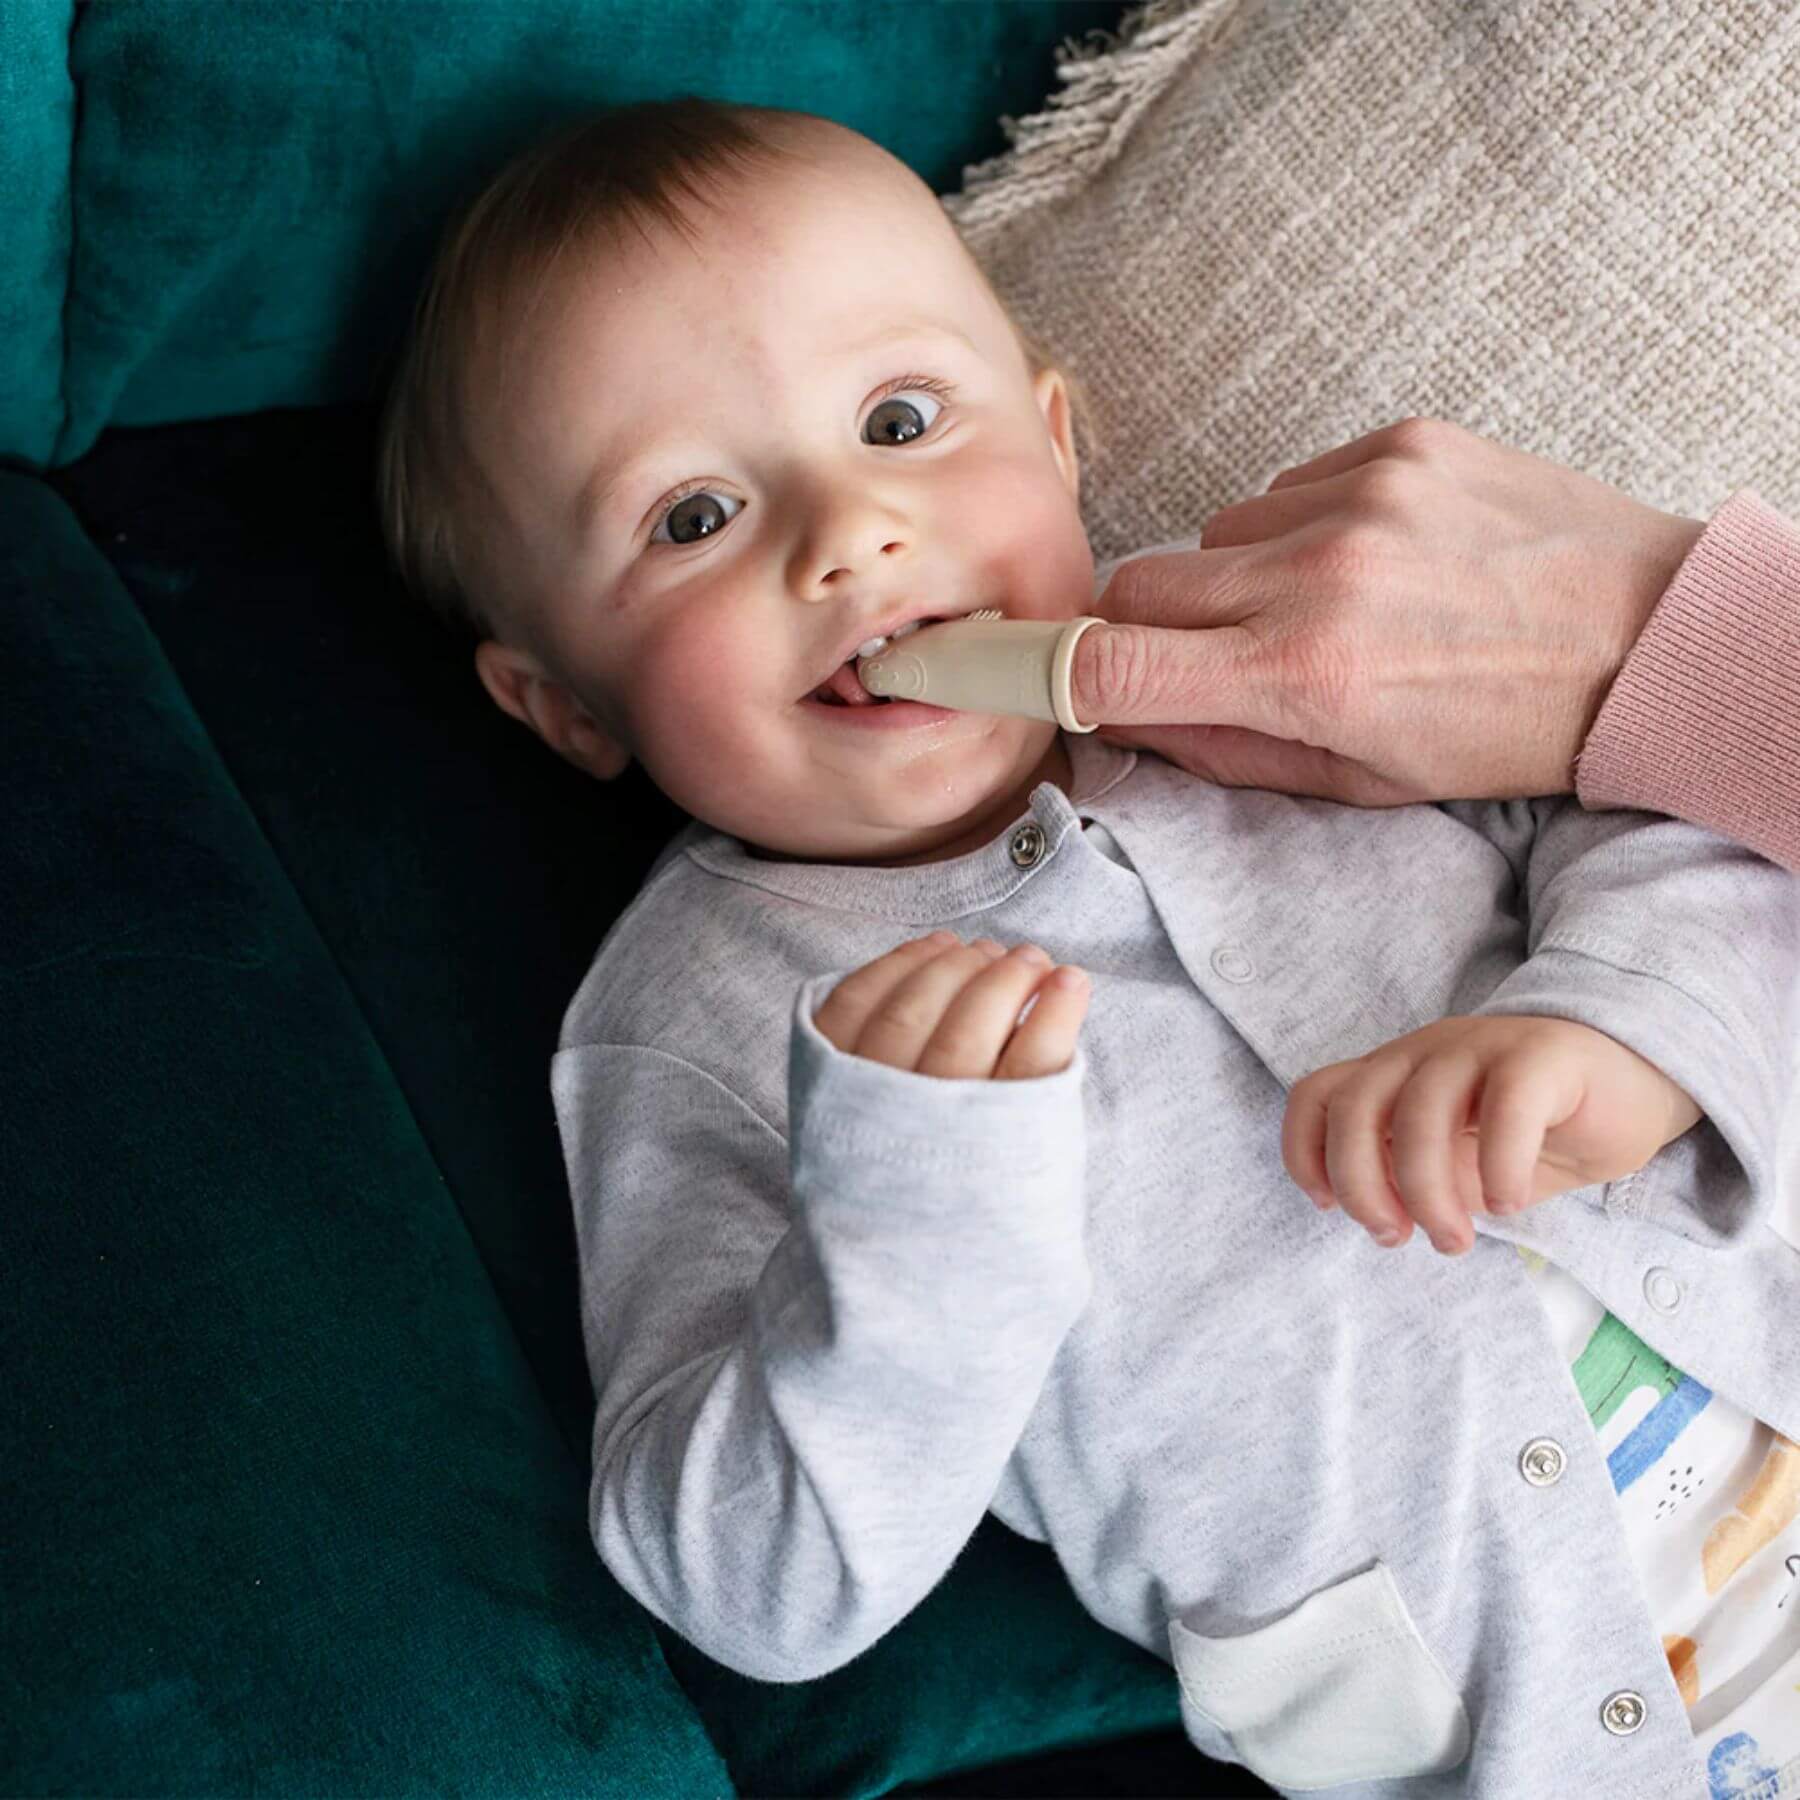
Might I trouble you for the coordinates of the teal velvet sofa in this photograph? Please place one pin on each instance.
(294, 1436)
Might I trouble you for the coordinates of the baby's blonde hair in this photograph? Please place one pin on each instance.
(638, 165)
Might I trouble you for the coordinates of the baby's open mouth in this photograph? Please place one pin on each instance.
(845, 688)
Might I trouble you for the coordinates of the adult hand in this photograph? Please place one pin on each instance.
(1422, 614)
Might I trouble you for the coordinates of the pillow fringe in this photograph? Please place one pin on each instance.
(1106, 84)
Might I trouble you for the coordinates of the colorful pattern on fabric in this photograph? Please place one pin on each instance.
(1710, 1501)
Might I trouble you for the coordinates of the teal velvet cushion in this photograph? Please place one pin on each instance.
(37, 121)
(257, 184)
(462, 876)
(284, 1510)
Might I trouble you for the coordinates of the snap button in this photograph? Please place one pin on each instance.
(1662, 1289)
(1231, 962)
(1541, 1461)
(1027, 846)
(1622, 1713)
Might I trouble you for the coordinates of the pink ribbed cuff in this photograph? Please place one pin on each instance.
(1703, 722)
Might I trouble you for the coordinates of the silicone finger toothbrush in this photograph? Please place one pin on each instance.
(985, 662)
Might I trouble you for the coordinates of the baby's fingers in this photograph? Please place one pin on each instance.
(1356, 1148)
(1429, 1115)
(1303, 1131)
(1044, 1042)
(863, 994)
(1520, 1099)
(978, 1020)
(1332, 1141)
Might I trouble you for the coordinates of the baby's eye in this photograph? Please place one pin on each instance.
(695, 512)
(896, 420)
(692, 516)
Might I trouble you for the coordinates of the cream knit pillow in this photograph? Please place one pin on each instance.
(1256, 229)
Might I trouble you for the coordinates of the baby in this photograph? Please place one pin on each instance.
(882, 1230)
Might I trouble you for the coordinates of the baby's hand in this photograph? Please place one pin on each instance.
(1520, 1108)
(940, 1007)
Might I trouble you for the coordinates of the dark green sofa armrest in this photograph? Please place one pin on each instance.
(285, 1509)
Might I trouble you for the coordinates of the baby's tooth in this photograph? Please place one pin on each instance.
(876, 645)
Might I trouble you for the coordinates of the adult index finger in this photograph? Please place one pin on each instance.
(1173, 650)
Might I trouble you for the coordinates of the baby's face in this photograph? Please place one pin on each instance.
(729, 460)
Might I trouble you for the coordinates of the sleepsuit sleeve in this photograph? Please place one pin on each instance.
(1684, 946)
(811, 1359)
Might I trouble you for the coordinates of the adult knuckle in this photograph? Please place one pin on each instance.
(1331, 569)
(1218, 525)
(1419, 436)
(1385, 493)
(1132, 588)
(1159, 588)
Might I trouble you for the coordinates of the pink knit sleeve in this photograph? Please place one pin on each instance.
(1703, 721)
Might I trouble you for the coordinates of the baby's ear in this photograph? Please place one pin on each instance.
(1051, 391)
(520, 687)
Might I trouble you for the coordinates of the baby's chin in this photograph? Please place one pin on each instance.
(918, 811)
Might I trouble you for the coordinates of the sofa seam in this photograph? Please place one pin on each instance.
(575, 1452)
(59, 439)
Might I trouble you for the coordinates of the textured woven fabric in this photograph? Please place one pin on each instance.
(1260, 230)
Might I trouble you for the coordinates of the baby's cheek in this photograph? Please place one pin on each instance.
(1023, 529)
(704, 697)
(701, 666)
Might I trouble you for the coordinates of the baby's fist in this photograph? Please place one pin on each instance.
(1469, 1115)
(938, 1006)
